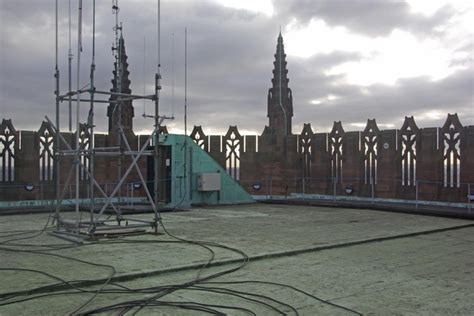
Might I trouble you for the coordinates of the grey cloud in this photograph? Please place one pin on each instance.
(370, 17)
(230, 62)
(389, 104)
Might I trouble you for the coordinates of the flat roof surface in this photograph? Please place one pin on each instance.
(326, 261)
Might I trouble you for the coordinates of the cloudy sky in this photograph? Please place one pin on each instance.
(348, 60)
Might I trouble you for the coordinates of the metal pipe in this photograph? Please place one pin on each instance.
(64, 96)
(416, 192)
(90, 119)
(185, 82)
(111, 154)
(469, 197)
(373, 189)
(185, 174)
(87, 150)
(125, 140)
(120, 94)
(118, 106)
(80, 164)
(157, 125)
(172, 75)
(70, 71)
(89, 100)
(56, 145)
(78, 104)
(119, 184)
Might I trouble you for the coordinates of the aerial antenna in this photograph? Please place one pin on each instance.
(172, 74)
(158, 26)
(69, 57)
(185, 81)
(56, 149)
(143, 74)
(78, 104)
(117, 110)
(90, 117)
(157, 126)
(158, 73)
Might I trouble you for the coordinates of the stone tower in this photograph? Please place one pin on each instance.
(280, 99)
(121, 84)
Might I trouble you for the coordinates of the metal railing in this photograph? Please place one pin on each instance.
(368, 190)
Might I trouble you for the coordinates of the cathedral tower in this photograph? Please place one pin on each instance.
(280, 99)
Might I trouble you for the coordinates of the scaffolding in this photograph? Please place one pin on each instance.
(79, 229)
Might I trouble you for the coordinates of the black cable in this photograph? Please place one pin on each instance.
(182, 304)
(242, 295)
(164, 292)
(159, 291)
(112, 268)
(291, 287)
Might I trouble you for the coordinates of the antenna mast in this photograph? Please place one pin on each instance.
(69, 57)
(185, 82)
(172, 74)
(78, 104)
(90, 118)
(157, 124)
(56, 145)
(84, 151)
(117, 111)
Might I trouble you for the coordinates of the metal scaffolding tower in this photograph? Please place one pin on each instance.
(78, 229)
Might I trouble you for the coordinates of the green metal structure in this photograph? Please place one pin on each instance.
(185, 161)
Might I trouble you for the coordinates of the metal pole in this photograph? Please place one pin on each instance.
(118, 106)
(172, 74)
(469, 197)
(56, 145)
(70, 71)
(127, 144)
(271, 187)
(334, 188)
(187, 180)
(125, 175)
(185, 81)
(157, 125)
(78, 105)
(416, 192)
(267, 184)
(372, 188)
(90, 120)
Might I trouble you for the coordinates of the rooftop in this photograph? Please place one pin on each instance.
(316, 260)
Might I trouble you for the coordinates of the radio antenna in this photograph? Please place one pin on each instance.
(185, 81)
(70, 71)
(143, 74)
(172, 74)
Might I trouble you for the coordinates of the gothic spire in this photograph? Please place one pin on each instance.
(123, 68)
(120, 84)
(280, 99)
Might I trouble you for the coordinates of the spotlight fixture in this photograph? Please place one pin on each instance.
(257, 186)
(137, 185)
(29, 187)
(349, 189)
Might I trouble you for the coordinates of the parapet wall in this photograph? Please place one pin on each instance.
(27, 159)
(434, 163)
